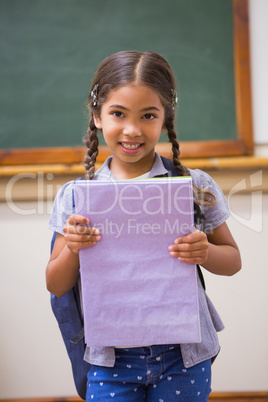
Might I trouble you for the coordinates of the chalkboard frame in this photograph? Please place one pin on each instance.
(242, 145)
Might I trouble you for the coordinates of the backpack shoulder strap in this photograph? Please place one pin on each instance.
(79, 178)
(169, 165)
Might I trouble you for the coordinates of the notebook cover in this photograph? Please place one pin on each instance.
(133, 292)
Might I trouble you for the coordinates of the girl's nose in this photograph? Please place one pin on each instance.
(132, 129)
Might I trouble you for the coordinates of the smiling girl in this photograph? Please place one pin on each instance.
(132, 101)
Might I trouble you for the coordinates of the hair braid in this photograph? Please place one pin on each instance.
(175, 148)
(201, 196)
(92, 142)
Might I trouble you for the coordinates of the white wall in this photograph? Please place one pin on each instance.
(242, 302)
(33, 359)
(258, 12)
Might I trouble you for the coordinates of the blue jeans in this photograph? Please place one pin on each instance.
(153, 374)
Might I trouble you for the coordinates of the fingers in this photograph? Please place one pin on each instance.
(77, 219)
(79, 234)
(80, 229)
(92, 237)
(192, 248)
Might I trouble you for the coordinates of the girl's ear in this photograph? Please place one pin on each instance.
(97, 121)
(163, 128)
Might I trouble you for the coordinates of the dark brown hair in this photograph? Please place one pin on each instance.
(141, 68)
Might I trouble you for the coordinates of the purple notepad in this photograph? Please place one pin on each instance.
(133, 292)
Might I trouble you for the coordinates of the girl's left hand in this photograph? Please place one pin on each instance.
(192, 248)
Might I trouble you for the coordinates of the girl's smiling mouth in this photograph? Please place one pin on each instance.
(131, 147)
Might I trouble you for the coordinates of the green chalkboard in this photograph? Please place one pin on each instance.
(50, 49)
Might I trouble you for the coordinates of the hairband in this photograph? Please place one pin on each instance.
(94, 94)
(174, 98)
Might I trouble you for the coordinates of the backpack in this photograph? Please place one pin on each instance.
(67, 311)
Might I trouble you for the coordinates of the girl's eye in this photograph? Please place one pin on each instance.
(117, 114)
(148, 116)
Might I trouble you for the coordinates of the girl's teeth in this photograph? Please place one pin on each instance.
(130, 146)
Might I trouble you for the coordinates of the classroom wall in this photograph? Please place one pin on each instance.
(258, 11)
(33, 359)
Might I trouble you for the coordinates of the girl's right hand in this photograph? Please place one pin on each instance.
(78, 233)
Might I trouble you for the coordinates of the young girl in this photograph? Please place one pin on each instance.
(132, 100)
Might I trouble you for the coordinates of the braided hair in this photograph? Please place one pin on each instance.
(92, 143)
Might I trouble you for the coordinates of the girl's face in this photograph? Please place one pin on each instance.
(131, 119)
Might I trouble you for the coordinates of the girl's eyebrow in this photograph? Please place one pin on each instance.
(142, 110)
